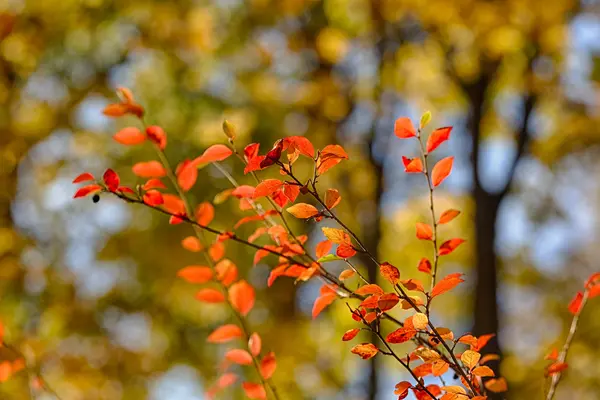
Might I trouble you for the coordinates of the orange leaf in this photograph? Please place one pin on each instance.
(424, 231)
(323, 248)
(365, 350)
(441, 170)
(496, 385)
(345, 251)
(345, 274)
(241, 296)
(401, 389)
(254, 390)
(129, 136)
(483, 371)
(332, 198)
(448, 216)
(224, 334)
(412, 165)
(449, 246)
(205, 212)
(424, 266)
(369, 289)
(216, 251)
(187, 175)
(254, 344)
(389, 272)
(321, 302)
(153, 198)
(387, 301)
(157, 135)
(239, 356)
(556, 368)
(446, 284)
(226, 271)
(149, 169)
(86, 176)
(268, 365)
(351, 334)
(403, 128)
(267, 187)
(191, 243)
(438, 137)
(195, 274)
(401, 335)
(84, 191)
(226, 379)
(216, 152)
(303, 210)
(575, 304)
(210, 296)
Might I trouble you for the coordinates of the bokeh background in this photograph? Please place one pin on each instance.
(89, 291)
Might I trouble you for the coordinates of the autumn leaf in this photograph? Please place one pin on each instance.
(424, 231)
(205, 213)
(111, 179)
(556, 368)
(424, 266)
(239, 356)
(420, 321)
(350, 334)
(210, 296)
(496, 385)
(187, 176)
(483, 371)
(412, 165)
(345, 251)
(370, 289)
(255, 344)
(196, 274)
(303, 210)
(191, 243)
(403, 128)
(446, 284)
(84, 191)
(365, 350)
(401, 335)
(86, 176)
(401, 389)
(224, 334)
(323, 248)
(216, 152)
(575, 304)
(338, 236)
(387, 301)
(332, 198)
(346, 274)
(157, 135)
(448, 216)
(268, 365)
(129, 136)
(323, 301)
(267, 187)
(449, 246)
(149, 169)
(438, 137)
(254, 390)
(553, 355)
(389, 272)
(470, 358)
(241, 297)
(441, 170)
(153, 198)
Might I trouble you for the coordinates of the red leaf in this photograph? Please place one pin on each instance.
(449, 246)
(365, 350)
(412, 165)
(267, 187)
(205, 212)
(441, 170)
(268, 365)
(446, 284)
(438, 137)
(210, 296)
(254, 390)
(401, 335)
(216, 152)
(149, 169)
(403, 128)
(239, 356)
(224, 334)
(351, 334)
(111, 179)
(388, 301)
(575, 304)
(157, 135)
(345, 251)
(255, 344)
(187, 175)
(241, 297)
(556, 368)
(226, 380)
(153, 198)
(195, 274)
(448, 216)
(424, 266)
(302, 144)
(424, 231)
(84, 191)
(390, 272)
(129, 136)
(86, 176)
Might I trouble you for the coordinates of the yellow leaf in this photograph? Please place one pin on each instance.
(470, 358)
(303, 210)
(338, 236)
(420, 321)
(454, 389)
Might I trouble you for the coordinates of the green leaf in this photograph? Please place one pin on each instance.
(329, 258)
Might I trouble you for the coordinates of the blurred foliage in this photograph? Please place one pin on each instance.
(88, 292)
